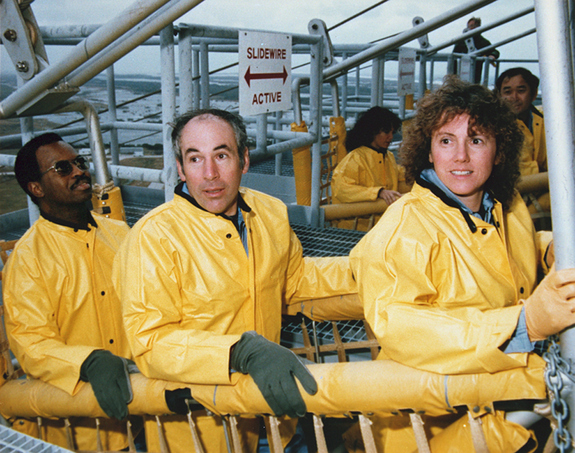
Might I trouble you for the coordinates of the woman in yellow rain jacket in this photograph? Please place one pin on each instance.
(447, 277)
(369, 171)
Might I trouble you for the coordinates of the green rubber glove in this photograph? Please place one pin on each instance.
(273, 367)
(108, 375)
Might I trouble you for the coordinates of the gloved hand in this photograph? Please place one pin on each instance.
(180, 401)
(550, 308)
(273, 367)
(108, 375)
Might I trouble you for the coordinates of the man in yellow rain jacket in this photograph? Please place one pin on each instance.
(63, 317)
(448, 277)
(201, 274)
(369, 170)
(518, 86)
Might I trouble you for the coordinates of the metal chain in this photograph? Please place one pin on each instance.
(554, 382)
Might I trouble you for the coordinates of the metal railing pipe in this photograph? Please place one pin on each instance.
(211, 31)
(145, 30)
(335, 98)
(261, 132)
(557, 89)
(305, 139)
(296, 85)
(503, 42)
(111, 88)
(186, 76)
(127, 125)
(404, 37)
(314, 126)
(137, 173)
(168, 78)
(376, 95)
(68, 31)
(196, 88)
(204, 75)
(15, 140)
(81, 53)
(94, 137)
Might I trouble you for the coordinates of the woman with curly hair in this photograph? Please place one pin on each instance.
(369, 170)
(448, 276)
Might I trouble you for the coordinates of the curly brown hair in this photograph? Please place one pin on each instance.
(488, 115)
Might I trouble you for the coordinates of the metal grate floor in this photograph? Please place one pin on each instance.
(326, 241)
(14, 442)
(350, 331)
(268, 166)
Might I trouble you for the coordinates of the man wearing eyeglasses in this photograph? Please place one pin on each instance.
(63, 318)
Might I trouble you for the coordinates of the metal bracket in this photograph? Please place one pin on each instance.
(48, 101)
(470, 45)
(21, 37)
(423, 40)
(318, 27)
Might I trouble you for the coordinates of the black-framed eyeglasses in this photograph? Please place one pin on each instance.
(64, 167)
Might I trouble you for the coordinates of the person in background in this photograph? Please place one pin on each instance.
(518, 86)
(479, 42)
(63, 317)
(448, 277)
(203, 279)
(369, 170)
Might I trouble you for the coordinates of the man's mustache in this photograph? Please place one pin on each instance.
(81, 179)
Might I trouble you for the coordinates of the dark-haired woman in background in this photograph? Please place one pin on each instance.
(369, 170)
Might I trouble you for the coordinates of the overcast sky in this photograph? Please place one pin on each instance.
(293, 16)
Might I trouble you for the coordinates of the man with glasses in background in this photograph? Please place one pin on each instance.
(63, 318)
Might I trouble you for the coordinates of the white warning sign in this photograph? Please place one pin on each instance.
(406, 71)
(264, 72)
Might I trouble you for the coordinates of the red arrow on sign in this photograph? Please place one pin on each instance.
(265, 75)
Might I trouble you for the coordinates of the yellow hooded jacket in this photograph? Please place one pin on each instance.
(189, 290)
(533, 155)
(442, 298)
(61, 305)
(360, 176)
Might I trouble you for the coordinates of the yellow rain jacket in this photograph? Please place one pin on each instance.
(60, 306)
(443, 299)
(360, 176)
(189, 291)
(533, 159)
(533, 156)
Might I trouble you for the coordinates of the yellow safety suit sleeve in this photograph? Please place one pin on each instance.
(59, 299)
(362, 174)
(316, 278)
(439, 297)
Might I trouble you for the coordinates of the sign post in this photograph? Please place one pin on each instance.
(264, 72)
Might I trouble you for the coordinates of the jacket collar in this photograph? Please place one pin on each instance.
(383, 152)
(182, 191)
(429, 180)
(76, 226)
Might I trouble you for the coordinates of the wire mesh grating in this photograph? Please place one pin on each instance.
(14, 442)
